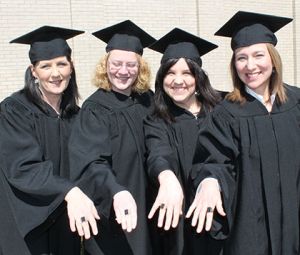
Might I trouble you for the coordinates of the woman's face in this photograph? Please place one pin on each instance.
(254, 66)
(53, 75)
(179, 84)
(122, 70)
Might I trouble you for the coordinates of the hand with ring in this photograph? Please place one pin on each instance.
(82, 213)
(207, 199)
(125, 210)
(169, 201)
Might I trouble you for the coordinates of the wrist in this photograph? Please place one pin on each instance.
(165, 175)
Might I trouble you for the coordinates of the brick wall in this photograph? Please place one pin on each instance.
(157, 17)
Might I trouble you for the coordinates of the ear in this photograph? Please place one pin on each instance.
(72, 67)
(33, 71)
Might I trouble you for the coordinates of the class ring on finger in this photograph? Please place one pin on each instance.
(162, 206)
(126, 212)
(209, 210)
(82, 219)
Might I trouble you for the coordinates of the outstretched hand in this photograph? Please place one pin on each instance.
(125, 210)
(207, 199)
(82, 213)
(169, 200)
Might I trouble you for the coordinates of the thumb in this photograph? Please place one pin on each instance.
(220, 209)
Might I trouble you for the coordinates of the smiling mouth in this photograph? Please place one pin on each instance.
(253, 75)
(56, 82)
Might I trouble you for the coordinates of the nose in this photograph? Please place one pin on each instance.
(178, 80)
(123, 69)
(250, 64)
(55, 72)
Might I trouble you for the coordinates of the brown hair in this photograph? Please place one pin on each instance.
(141, 84)
(276, 83)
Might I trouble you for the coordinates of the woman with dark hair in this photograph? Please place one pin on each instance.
(183, 97)
(250, 145)
(35, 127)
(107, 142)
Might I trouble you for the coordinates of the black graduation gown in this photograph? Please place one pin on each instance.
(172, 146)
(254, 155)
(11, 241)
(36, 171)
(107, 156)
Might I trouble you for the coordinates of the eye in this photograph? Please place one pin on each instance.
(259, 55)
(131, 64)
(240, 58)
(45, 66)
(169, 73)
(116, 64)
(187, 73)
(62, 64)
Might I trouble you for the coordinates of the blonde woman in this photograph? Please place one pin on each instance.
(107, 143)
(249, 147)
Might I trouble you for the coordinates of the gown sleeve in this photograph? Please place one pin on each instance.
(91, 157)
(34, 190)
(161, 156)
(215, 156)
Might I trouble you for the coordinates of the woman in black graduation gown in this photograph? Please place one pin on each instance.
(107, 142)
(35, 127)
(250, 145)
(183, 97)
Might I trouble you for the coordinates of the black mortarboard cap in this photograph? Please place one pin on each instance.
(247, 28)
(47, 42)
(181, 44)
(125, 36)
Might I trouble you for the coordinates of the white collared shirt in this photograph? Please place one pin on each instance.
(260, 98)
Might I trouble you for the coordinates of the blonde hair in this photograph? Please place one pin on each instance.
(276, 82)
(140, 85)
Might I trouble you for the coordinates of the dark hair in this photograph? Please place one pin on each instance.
(207, 96)
(69, 102)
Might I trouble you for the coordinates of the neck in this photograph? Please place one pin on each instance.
(193, 106)
(126, 92)
(54, 101)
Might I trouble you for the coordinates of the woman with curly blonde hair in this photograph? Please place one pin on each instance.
(107, 142)
(140, 85)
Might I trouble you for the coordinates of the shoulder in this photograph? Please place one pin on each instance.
(17, 102)
(292, 91)
(95, 105)
(146, 98)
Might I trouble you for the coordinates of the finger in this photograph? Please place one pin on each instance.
(79, 228)
(128, 223)
(118, 216)
(124, 220)
(72, 224)
(93, 225)
(176, 215)
(86, 230)
(153, 210)
(196, 216)
(220, 208)
(134, 218)
(161, 217)
(191, 210)
(95, 213)
(201, 221)
(169, 216)
(209, 219)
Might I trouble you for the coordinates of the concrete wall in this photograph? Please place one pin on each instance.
(202, 17)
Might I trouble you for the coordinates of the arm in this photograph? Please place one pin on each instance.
(215, 157)
(91, 165)
(35, 191)
(162, 167)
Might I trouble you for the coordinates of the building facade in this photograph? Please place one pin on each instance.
(157, 17)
